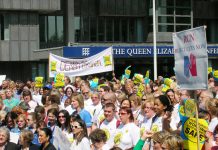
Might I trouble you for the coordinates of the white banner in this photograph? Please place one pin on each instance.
(101, 62)
(191, 59)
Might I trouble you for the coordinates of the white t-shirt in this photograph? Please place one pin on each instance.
(127, 136)
(88, 102)
(110, 130)
(70, 109)
(175, 119)
(83, 145)
(38, 99)
(213, 124)
(157, 124)
(92, 109)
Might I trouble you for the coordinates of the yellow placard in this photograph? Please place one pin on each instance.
(38, 82)
(53, 66)
(190, 132)
(190, 108)
(107, 61)
(59, 80)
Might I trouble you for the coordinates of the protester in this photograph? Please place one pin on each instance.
(10, 101)
(173, 142)
(98, 138)
(4, 140)
(45, 135)
(25, 140)
(127, 134)
(78, 105)
(80, 134)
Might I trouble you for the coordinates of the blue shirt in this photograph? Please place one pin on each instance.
(86, 117)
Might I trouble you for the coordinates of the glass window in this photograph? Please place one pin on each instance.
(183, 20)
(43, 28)
(165, 19)
(85, 28)
(101, 28)
(60, 28)
(124, 35)
(166, 28)
(23, 19)
(132, 30)
(93, 29)
(182, 27)
(109, 29)
(14, 19)
(2, 27)
(51, 29)
(77, 28)
(6, 26)
(183, 11)
(33, 19)
(116, 29)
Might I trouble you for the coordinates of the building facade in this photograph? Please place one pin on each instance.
(30, 29)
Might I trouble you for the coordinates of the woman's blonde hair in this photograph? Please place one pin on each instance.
(173, 142)
(79, 99)
(212, 106)
(27, 136)
(159, 136)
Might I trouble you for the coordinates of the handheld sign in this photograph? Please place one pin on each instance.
(191, 59)
(59, 80)
(39, 82)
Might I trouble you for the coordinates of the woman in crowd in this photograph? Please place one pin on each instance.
(127, 134)
(63, 123)
(21, 124)
(45, 135)
(5, 143)
(149, 113)
(10, 120)
(98, 138)
(163, 108)
(78, 105)
(136, 109)
(126, 103)
(27, 97)
(80, 134)
(211, 107)
(10, 101)
(31, 125)
(25, 140)
(173, 142)
(63, 120)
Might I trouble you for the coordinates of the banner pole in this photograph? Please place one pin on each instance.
(197, 124)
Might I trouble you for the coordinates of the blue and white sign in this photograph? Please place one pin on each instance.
(191, 58)
(127, 51)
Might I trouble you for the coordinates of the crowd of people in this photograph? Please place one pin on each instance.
(113, 114)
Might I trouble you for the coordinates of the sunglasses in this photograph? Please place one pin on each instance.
(122, 113)
(76, 127)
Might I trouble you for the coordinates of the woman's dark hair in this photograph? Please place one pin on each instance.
(126, 100)
(54, 99)
(84, 133)
(170, 90)
(97, 136)
(129, 111)
(67, 117)
(47, 132)
(13, 117)
(166, 102)
(27, 93)
(53, 111)
(67, 89)
(43, 99)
